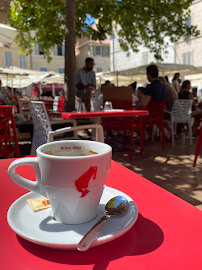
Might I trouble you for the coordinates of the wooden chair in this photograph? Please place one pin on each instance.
(9, 146)
(121, 98)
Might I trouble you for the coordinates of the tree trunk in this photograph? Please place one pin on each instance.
(70, 60)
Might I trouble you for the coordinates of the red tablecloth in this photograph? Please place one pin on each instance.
(167, 234)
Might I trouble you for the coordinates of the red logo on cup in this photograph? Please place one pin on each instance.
(83, 181)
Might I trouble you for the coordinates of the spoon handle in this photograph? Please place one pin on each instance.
(92, 234)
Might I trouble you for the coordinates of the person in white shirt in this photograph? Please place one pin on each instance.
(176, 82)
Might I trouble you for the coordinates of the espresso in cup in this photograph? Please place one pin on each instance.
(68, 152)
(71, 174)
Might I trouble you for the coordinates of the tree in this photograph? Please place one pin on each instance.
(137, 23)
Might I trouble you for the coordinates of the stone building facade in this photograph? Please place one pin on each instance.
(4, 11)
(188, 51)
(120, 60)
(100, 51)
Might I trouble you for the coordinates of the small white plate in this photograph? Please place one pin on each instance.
(40, 228)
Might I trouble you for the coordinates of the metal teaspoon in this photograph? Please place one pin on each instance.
(117, 206)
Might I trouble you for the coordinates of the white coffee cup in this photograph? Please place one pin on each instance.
(70, 179)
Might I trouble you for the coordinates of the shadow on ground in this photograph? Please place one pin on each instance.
(170, 169)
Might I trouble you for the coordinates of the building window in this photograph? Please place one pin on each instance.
(8, 58)
(60, 70)
(22, 61)
(43, 69)
(188, 24)
(59, 50)
(37, 50)
(98, 51)
(186, 58)
(103, 51)
(145, 58)
(188, 21)
(98, 69)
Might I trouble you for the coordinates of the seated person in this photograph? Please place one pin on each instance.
(184, 93)
(196, 111)
(100, 97)
(140, 95)
(7, 96)
(155, 91)
(171, 96)
(47, 93)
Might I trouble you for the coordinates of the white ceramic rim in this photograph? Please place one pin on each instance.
(39, 150)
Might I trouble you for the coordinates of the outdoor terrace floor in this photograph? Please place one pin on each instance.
(170, 169)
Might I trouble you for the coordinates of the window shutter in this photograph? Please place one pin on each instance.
(186, 58)
(20, 60)
(8, 58)
(56, 50)
(108, 51)
(63, 49)
(104, 51)
(60, 70)
(36, 49)
(94, 50)
(189, 58)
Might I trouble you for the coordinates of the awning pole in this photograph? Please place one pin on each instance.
(40, 89)
(117, 78)
(53, 89)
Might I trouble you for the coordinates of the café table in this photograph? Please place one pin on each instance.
(96, 116)
(166, 235)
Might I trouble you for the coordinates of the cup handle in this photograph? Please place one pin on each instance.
(35, 186)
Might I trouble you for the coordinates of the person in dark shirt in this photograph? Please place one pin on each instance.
(196, 110)
(184, 93)
(155, 91)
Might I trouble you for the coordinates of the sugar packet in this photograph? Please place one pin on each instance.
(39, 204)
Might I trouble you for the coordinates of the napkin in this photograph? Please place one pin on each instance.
(39, 204)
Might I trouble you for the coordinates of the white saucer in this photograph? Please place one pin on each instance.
(41, 229)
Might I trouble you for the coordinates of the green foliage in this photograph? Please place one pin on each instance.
(137, 22)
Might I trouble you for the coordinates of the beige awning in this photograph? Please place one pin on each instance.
(7, 35)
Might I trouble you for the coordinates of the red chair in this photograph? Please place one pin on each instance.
(122, 123)
(155, 117)
(2, 102)
(9, 146)
(61, 104)
(198, 146)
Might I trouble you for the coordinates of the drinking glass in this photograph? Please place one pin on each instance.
(108, 106)
(81, 107)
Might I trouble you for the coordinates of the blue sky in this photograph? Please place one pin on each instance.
(89, 19)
